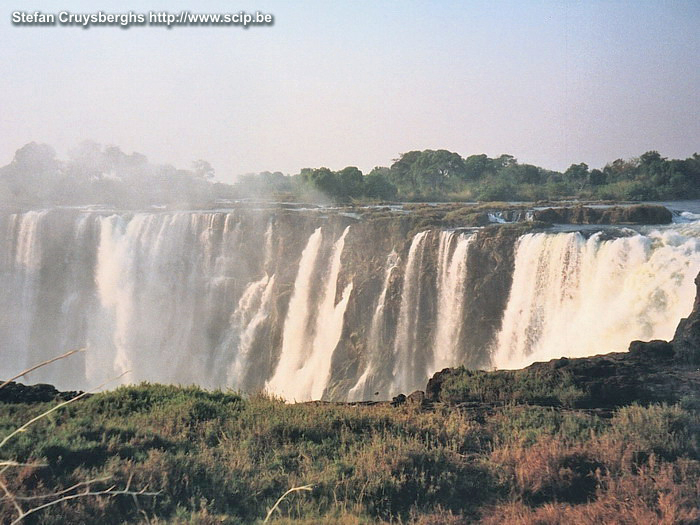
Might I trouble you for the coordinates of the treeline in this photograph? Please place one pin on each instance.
(319, 184)
(438, 175)
(102, 175)
(105, 175)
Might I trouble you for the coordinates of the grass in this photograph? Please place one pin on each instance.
(221, 457)
(541, 387)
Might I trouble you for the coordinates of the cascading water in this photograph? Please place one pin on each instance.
(21, 257)
(295, 339)
(252, 310)
(313, 305)
(377, 341)
(406, 373)
(573, 296)
(451, 276)
(304, 366)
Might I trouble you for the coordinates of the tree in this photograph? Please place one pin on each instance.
(378, 186)
(596, 178)
(326, 181)
(440, 170)
(476, 166)
(577, 174)
(35, 157)
(401, 173)
(203, 170)
(505, 161)
(428, 171)
(351, 182)
(650, 158)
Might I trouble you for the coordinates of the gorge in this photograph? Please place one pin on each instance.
(331, 303)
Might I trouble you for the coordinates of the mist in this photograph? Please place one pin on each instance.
(100, 175)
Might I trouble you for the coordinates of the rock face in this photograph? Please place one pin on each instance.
(645, 374)
(41, 393)
(491, 260)
(686, 341)
(352, 304)
(637, 214)
(654, 371)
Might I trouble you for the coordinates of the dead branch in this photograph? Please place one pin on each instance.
(111, 491)
(293, 489)
(43, 363)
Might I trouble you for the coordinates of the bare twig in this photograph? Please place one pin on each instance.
(87, 492)
(60, 492)
(43, 363)
(293, 489)
(11, 497)
(10, 463)
(72, 492)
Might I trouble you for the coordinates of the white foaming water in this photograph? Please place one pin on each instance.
(304, 366)
(252, 310)
(145, 288)
(451, 279)
(329, 325)
(405, 346)
(576, 297)
(166, 283)
(19, 285)
(375, 341)
(198, 297)
(686, 217)
(294, 337)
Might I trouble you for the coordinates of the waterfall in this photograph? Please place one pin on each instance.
(19, 280)
(305, 362)
(307, 307)
(451, 278)
(406, 374)
(295, 337)
(165, 283)
(574, 297)
(377, 339)
(329, 324)
(252, 310)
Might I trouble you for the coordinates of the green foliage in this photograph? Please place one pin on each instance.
(214, 453)
(550, 387)
(106, 175)
(441, 175)
(221, 458)
(378, 186)
(667, 431)
(526, 425)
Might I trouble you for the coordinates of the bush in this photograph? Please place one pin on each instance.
(542, 387)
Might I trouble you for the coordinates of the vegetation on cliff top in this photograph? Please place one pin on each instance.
(95, 174)
(439, 175)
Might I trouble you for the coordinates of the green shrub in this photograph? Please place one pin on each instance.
(550, 387)
(666, 431)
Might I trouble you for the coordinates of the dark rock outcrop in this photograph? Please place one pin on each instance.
(491, 261)
(636, 214)
(645, 374)
(434, 387)
(41, 393)
(686, 341)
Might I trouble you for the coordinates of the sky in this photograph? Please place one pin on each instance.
(359, 82)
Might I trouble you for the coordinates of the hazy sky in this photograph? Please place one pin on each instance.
(359, 82)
